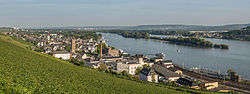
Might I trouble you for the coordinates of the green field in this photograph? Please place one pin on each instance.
(26, 71)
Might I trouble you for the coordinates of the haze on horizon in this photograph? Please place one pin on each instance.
(60, 13)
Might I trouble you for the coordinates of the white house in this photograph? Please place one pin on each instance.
(148, 74)
(62, 54)
(129, 67)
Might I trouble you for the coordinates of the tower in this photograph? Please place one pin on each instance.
(73, 50)
(101, 51)
(48, 37)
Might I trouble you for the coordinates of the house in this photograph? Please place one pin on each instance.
(185, 81)
(157, 59)
(165, 74)
(111, 59)
(150, 64)
(62, 54)
(167, 63)
(129, 67)
(235, 77)
(92, 64)
(209, 85)
(148, 74)
(175, 70)
(6, 33)
(113, 52)
(48, 49)
(111, 65)
(81, 56)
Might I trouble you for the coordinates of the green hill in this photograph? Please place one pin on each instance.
(26, 71)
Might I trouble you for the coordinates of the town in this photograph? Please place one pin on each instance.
(87, 50)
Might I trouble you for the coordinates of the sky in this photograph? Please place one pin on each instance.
(61, 13)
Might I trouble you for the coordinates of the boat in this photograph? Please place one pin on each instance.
(178, 51)
(160, 55)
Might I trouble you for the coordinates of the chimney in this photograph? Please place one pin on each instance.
(73, 50)
(101, 52)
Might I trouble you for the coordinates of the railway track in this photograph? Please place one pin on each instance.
(242, 87)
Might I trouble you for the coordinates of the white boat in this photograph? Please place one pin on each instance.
(160, 55)
(178, 51)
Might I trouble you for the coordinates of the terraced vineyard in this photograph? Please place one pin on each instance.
(26, 71)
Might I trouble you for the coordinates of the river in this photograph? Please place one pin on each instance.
(218, 60)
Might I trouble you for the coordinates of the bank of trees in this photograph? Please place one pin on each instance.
(221, 46)
(192, 41)
(136, 35)
(189, 41)
(243, 34)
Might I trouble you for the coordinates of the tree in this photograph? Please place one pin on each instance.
(67, 48)
(40, 49)
(147, 36)
(104, 46)
(145, 66)
(76, 62)
(124, 73)
(153, 77)
(231, 72)
(137, 71)
(103, 68)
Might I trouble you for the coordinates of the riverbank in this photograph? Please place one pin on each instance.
(237, 57)
(192, 41)
(207, 75)
(187, 41)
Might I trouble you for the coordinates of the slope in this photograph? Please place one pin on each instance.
(26, 71)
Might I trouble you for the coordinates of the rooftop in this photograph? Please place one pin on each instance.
(147, 71)
(164, 71)
(60, 52)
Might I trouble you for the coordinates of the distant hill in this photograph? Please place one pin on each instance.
(26, 71)
(6, 29)
(190, 27)
(158, 27)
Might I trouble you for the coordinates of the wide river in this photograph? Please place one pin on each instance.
(237, 57)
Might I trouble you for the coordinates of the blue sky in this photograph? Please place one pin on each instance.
(58, 13)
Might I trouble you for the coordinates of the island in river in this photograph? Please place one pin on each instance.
(188, 41)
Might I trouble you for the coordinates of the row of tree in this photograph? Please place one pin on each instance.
(192, 41)
(136, 35)
(243, 34)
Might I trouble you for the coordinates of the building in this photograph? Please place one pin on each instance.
(167, 63)
(148, 74)
(236, 77)
(209, 85)
(157, 59)
(111, 59)
(113, 52)
(185, 81)
(73, 50)
(175, 70)
(48, 37)
(81, 56)
(92, 64)
(165, 74)
(62, 54)
(129, 67)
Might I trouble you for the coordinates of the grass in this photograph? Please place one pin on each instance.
(16, 41)
(26, 71)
